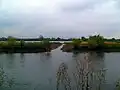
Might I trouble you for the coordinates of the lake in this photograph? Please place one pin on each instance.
(59, 71)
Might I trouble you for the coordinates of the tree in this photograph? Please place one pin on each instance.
(41, 37)
(53, 39)
(58, 39)
(96, 41)
(83, 38)
(46, 44)
(11, 41)
(113, 39)
(76, 43)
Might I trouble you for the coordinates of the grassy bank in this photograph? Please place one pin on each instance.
(84, 46)
(107, 48)
(94, 43)
(13, 46)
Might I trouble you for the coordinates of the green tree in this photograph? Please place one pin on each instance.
(76, 43)
(96, 41)
(113, 40)
(46, 44)
(11, 41)
(83, 38)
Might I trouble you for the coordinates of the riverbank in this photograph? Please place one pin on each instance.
(84, 47)
(30, 47)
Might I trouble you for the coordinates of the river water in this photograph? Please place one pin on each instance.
(59, 70)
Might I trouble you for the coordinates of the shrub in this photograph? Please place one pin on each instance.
(96, 41)
(76, 43)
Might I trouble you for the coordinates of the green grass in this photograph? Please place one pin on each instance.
(16, 46)
(84, 46)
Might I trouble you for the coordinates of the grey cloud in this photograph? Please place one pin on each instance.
(59, 23)
(81, 6)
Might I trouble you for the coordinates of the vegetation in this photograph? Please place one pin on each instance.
(95, 42)
(20, 46)
(41, 38)
(76, 43)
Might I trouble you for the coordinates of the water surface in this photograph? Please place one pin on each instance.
(59, 71)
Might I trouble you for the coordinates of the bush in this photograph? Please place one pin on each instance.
(96, 41)
(11, 41)
(76, 43)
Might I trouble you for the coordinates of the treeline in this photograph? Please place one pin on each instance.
(93, 42)
(14, 46)
(55, 39)
(35, 39)
(96, 42)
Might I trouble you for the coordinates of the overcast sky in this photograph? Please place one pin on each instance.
(59, 18)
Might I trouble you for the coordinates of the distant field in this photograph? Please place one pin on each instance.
(86, 43)
(82, 43)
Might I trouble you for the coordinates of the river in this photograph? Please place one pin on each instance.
(59, 70)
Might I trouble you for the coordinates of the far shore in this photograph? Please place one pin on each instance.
(36, 45)
(29, 47)
(84, 47)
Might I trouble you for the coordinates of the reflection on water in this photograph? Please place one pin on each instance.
(10, 56)
(85, 76)
(10, 61)
(45, 56)
(22, 61)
